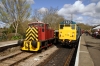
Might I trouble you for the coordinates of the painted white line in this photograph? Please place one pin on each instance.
(77, 57)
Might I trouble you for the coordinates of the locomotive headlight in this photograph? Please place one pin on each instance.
(72, 34)
(59, 35)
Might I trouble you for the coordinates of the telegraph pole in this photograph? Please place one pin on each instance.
(71, 17)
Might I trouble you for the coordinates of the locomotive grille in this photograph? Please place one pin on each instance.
(32, 34)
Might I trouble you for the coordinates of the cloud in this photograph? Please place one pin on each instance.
(91, 10)
(2, 24)
(98, 7)
(72, 9)
(95, 0)
(43, 10)
(93, 21)
(30, 1)
(79, 18)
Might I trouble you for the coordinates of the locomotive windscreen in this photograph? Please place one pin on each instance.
(36, 25)
(61, 26)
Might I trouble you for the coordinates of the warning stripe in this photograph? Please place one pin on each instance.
(28, 29)
(31, 38)
(32, 31)
(32, 34)
(35, 29)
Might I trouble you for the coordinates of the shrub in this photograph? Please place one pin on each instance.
(15, 37)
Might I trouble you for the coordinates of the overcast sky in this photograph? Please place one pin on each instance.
(85, 11)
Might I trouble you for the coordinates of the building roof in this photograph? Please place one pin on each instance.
(98, 27)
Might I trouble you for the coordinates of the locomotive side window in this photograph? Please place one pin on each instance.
(30, 25)
(47, 26)
(35, 24)
(41, 25)
(42, 30)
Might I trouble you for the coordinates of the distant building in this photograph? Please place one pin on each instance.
(97, 28)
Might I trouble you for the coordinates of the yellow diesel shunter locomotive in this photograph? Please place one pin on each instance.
(69, 32)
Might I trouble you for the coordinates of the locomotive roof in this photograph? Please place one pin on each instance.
(37, 22)
(68, 22)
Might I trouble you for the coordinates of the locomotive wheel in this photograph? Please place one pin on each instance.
(39, 51)
(20, 43)
(34, 44)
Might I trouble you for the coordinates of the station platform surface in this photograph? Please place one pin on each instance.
(6, 43)
(83, 57)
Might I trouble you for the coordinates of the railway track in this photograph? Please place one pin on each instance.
(16, 58)
(69, 57)
(61, 57)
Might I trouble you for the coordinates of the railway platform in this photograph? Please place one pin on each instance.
(2, 44)
(83, 57)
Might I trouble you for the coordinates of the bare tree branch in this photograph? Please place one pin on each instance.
(14, 12)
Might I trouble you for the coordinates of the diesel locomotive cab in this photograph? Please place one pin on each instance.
(68, 32)
(31, 40)
(38, 35)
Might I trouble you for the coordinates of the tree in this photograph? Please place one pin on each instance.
(50, 16)
(21, 28)
(37, 16)
(53, 20)
(14, 11)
